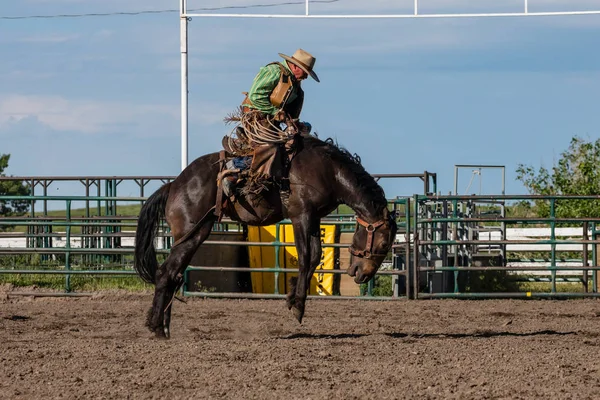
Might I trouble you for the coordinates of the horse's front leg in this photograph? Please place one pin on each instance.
(308, 244)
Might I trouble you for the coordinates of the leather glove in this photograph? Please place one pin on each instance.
(280, 116)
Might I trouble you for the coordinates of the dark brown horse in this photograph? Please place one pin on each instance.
(321, 177)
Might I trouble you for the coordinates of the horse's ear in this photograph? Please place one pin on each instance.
(386, 213)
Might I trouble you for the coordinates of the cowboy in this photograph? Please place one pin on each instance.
(276, 90)
(276, 93)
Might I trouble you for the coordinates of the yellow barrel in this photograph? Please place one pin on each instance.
(264, 257)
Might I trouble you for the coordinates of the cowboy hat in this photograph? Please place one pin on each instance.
(304, 60)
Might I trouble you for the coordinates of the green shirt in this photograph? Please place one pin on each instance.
(264, 82)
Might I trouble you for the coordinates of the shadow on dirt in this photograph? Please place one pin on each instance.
(323, 336)
(397, 335)
(17, 318)
(481, 334)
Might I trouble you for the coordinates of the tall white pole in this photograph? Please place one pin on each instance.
(184, 83)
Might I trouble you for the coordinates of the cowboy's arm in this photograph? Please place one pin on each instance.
(294, 108)
(264, 83)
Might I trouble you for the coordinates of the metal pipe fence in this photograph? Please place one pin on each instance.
(111, 221)
(438, 241)
(439, 233)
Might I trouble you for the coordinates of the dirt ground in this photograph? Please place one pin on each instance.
(98, 347)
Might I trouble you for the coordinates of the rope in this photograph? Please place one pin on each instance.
(259, 130)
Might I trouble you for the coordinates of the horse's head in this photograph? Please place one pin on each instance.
(370, 245)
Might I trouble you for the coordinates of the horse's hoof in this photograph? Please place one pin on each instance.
(160, 334)
(299, 314)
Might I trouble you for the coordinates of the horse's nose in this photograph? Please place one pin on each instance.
(364, 271)
(352, 269)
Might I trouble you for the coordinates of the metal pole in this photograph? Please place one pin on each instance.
(456, 179)
(553, 242)
(416, 250)
(68, 247)
(407, 261)
(594, 259)
(585, 257)
(278, 226)
(184, 84)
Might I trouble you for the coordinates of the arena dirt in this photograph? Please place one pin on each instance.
(98, 347)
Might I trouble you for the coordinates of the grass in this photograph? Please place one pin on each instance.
(122, 210)
(87, 282)
(127, 210)
(383, 285)
(546, 287)
(78, 283)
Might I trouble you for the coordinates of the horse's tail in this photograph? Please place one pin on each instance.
(145, 254)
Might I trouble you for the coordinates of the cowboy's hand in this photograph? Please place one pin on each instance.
(280, 116)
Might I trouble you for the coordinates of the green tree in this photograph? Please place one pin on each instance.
(577, 172)
(10, 208)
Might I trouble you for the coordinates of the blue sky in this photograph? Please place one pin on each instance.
(101, 95)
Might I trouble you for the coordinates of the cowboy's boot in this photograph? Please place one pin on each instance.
(229, 185)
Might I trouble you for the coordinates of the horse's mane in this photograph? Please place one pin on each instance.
(336, 152)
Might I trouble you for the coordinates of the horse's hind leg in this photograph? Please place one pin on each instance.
(169, 298)
(169, 277)
(166, 283)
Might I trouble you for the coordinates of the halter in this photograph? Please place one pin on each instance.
(368, 251)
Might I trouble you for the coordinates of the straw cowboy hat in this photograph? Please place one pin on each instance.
(304, 60)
